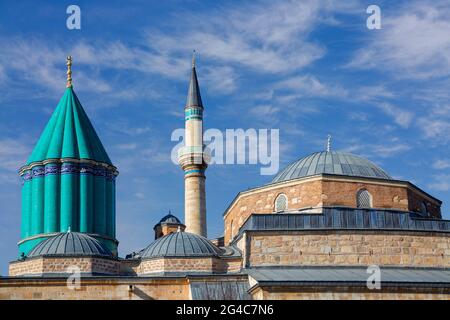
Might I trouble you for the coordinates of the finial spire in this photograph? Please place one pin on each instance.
(69, 72)
(329, 143)
(193, 59)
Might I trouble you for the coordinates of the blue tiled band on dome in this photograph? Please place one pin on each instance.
(67, 168)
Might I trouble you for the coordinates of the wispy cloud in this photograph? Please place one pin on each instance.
(441, 164)
(440, 182)
(413, 42)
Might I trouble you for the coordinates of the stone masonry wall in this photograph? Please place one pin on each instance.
(43, 265)
(212, 265)
(348, 248)
(320, 192)
(103, 289)
(349, 293)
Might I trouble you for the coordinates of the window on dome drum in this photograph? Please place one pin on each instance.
(363, 199)
(281, 203)
(423, 208)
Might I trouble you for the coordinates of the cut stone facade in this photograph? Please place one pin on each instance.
(348, 293)
(60, 265)
(346, 248)
(322, 191)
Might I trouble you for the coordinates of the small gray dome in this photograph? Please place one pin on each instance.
(170, 218)
(70, 243)
(181, 244)
(331, 162)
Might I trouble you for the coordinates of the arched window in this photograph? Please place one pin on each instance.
(281, 203)
(423, 208)
(363, 199)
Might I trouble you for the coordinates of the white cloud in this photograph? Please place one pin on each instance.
(309, 85)
(401, 117)
(435, 129)
(440, 183)
(414, 42)
(13, 154)
(441, 164)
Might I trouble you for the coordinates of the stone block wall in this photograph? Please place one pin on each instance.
(208, 264)
(94, 289)
(324, 191)
(349, 293)
(346, 248)
(48, 265)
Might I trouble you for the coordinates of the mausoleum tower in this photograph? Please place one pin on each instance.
(68, 180)
(192, 160)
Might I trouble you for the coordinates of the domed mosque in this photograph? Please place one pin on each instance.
(316, 231)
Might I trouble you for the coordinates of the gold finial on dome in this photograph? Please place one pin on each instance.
(69, 72)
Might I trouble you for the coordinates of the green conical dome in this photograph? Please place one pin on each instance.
(69, 134)
(68, 180)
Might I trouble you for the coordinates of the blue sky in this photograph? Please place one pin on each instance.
(308, 68)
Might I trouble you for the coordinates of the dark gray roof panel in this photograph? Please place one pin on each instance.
(70, 243)
(331, 162)
(348, 274)
(170, 218)
(181, 244)
(339, 218)
(194, 98)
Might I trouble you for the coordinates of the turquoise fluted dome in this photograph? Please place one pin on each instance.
(331, 162)
(68, 181)
(69, 134)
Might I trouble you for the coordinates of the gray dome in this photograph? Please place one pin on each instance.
(70, 243)
(170, 218)
(331, 162)
(181, 244)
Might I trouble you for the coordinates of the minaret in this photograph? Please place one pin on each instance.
(192, 161)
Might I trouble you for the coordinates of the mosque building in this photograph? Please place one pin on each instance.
(319, 230)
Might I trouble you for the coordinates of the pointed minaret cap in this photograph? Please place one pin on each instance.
(194, 98)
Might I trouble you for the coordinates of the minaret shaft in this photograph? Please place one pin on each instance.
(192, 162)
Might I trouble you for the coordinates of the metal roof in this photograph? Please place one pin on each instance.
(70, 243)
(344, 219)
(332, 162)
(348, 274)
(194, 98)
(69, 134)
(170, 218)
(219, 290)
(181, 244)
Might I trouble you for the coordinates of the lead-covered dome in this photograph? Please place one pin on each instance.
(181, 244)
(331, 162)
(70, 243)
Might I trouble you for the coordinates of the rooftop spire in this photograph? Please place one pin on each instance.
(194, 99)
(69, 72)
(329, 143)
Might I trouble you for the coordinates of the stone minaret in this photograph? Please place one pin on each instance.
(192, 161)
